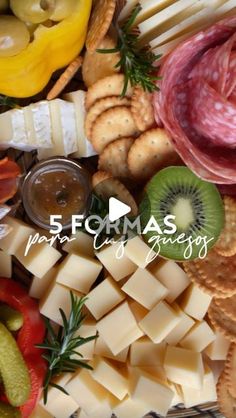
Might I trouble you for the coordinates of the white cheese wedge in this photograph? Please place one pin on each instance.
(82, 244)
(228, 6)
(13, 131)
(19, 233)
(5, 265)
(185, 324)
(195, 302)
(207, 393)
(144, 352)
(102, 349)
(199, 337)
(166, 48)
(127, 9)
(151, 7)
(39, 287)
(184, 367)
(139, 252)
(218, 349)
(84, 147)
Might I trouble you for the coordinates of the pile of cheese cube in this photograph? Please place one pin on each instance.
(154, 349)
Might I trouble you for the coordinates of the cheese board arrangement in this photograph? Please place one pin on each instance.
(117, 208)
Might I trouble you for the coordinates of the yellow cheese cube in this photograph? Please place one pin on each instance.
(145, 288)
(87, 329)
(218, 349)
(139, 252)
(5, 264)
(119, 328)
(129, 407)
(144, 352)
(78, 272)
(40, 412)
(199, 337)
(178, 396)
(185, 324)
(82, 244)
(88, 394)
(153, 394)
(104, 297)
(172, 277)
(119, 268)
(39, 287)
(195, 302)
(207, 393)
(102, 412)
(184, 367)
(156, 372)
(101, 349)
(109, 377)
(159, 322)
(138, 310)
(18, 235)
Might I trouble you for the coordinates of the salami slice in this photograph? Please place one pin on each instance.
(9, 171)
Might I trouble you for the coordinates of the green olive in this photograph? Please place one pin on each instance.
(4, 4)
(63, 9)
(31, 27)
(14, 36)
(33, 11)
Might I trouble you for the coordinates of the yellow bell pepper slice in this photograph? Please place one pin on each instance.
(27, 73)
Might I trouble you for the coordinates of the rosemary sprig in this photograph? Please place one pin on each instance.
(61, 348)
(136, 63)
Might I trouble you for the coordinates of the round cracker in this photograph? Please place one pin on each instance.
(97, 66)
(230, 370)
(108, 86)
(112, 124)
(142, 109)
(228, 306)
(107, 186)
(114, 158)
(227, 403)
(99, 23)
(222, 323)
(151, 152)
(99, 107)
(226, 245)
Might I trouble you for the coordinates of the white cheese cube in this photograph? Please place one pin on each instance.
(199, 337)
(108, 376)
(5, 265)
(88, 394)
(128, 408)
(18, 235)
(159, 322)
(87, 329)
(82, 244)
(185, 324)
(178, 397)
(102, 349)
(156, 372)
(39, 287)
(119, 328)
(139, 252)
(145, 288)
(184, 367)
(78, 272)
(172, 277)
(119, 268)
(104, 411)
(40, 258)
(103, 298)
(218, 349)
(207, 393)
(40, 412)
(138, 310)
(195, 302)
(144, 352)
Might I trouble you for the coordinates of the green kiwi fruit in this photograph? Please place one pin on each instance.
(196, 205)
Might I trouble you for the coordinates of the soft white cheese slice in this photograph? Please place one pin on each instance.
(13, 132)
(151, 7)
(42, 124)
(127, 9)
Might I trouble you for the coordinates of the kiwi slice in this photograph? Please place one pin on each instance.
(196, 205)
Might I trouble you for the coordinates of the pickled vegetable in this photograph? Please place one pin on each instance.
(14, 36)
(8, 411)
(13, 370)
(34, 11)
(4, 4)
(63, 9)
(11, 318)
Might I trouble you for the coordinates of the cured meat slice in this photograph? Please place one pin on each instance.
(231, 79)
(9, 171)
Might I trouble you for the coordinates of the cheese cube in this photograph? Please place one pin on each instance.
(144, 352)
(119, 328)
(109, 377)
(87, 329)
(138, 310)
(172, 277)
(101, 349)
(195, 302)
(104, 411)
(153, 394)
(185, 324)
(104, 297)
(78, 272)
(178, 397)
(39, 287)
(5, 265)
(156, 372)
(40, 258)
(184, 367)
(57, 297)
(129, 407)
(40, 412)
(82, 244)
(145, 288)
(88, 394)
(119, 268)
(18, 235)
(207, 393)
(159, 322)
(139, 252)
(199, 337)
(218, 349)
